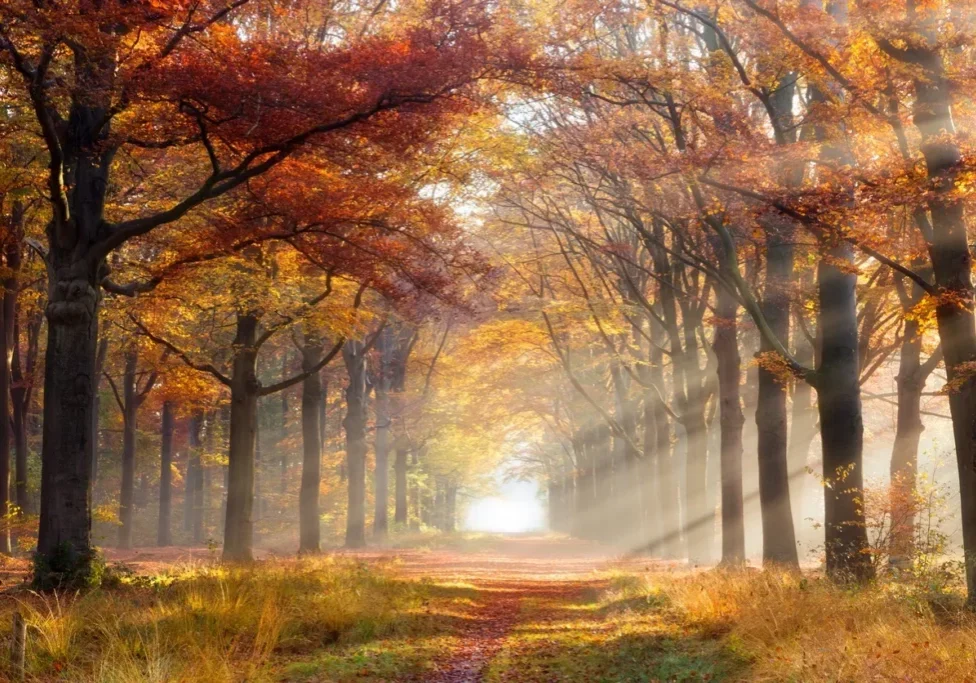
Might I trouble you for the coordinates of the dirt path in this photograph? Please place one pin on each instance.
(510, 584)
(503, 579)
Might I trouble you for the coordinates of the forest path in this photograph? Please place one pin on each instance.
(515, 585)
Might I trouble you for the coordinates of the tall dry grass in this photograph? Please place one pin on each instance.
(207, 622)
(790, 628)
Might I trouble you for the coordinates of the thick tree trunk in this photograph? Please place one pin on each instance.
(64, 550)
(355, 427)
(164, 532)
(308, 496)
(951, 258)
(841, 424)
(239, 524)
(731, 423)
(779, 540)
(129, 411)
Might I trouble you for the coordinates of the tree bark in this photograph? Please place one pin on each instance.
(841, 423)
(308, 497)
(779, 540)
(239, 523)
(64, 550)
(164, 532)
(731, 423)
(355, 427)
(381, 474)
(129, 411)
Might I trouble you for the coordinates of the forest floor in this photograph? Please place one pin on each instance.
(483, 609)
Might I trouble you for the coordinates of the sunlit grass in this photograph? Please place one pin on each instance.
(740, 626)
(213, 623)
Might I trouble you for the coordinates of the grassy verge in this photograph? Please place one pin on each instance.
(740, 626)
(320, 619)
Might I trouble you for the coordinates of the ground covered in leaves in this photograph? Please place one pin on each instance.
(494, 610)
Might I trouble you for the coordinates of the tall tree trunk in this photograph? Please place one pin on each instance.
(129, 411)
(779, 540)
(355, 426)
(79, 181)
(381, 474)
(731, 423)
(841, 424)
(904, 454)
(164, 533)
(196, 525)
(239, 524)
(283, 433)
(308, 497)
(949, 252)
(194, 429)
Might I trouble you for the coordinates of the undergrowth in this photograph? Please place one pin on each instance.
(207, 622)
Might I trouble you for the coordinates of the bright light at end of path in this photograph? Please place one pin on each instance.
(504, 516)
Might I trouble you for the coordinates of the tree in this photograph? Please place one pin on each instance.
(189, 86)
